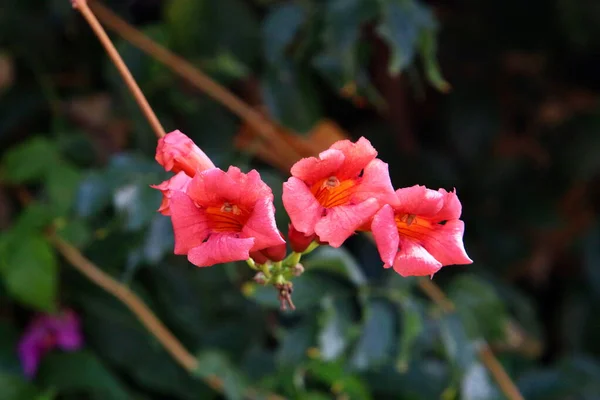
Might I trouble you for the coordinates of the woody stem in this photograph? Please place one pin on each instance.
(82, 7)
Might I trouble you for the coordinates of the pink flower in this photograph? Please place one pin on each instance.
(223, 216)
(176, 152)
(421, 233)
(46, 332)
(179, 182)
(335, 194)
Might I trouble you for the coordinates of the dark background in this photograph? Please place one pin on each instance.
(510, 119)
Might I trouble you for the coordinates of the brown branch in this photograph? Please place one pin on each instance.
(143, 313)
(82, 7)
(266, 128)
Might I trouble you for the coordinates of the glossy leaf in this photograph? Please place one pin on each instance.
(31, 160)
(30, 272)
(377, 342)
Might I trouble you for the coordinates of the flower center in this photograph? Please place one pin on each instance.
(227, 218)
(413, 227)
(330, 192)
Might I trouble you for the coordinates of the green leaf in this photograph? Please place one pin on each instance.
(459, 349)
(377, 342)
(30, 272)
(9, 362)
(428, 50)
(93, 195)
(342, 383)
(33, 219)
(401, 24)
(15, 387)
(337, 326)
(291, 97)
(79, 372)
(137, 203)
(337, 261)
(31, 160)
(204, 28)
(159, 239)
(411, 328)
(296, 342)
(477, 385)
(279, 29)
(479, 307)
(61, 184)
(76, 232)
(213, 364)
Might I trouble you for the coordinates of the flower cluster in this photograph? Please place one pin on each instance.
(222, 216)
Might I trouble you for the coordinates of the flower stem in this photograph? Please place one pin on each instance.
(82, 7)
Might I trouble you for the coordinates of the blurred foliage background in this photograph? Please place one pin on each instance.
(510, 118)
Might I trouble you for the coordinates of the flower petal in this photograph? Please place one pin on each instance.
(179, 182)
(67, 331)
(414, 260)
(302, 207)
(262, 227)
(386, 234)
(190, 224)
(419, 200)
(251, 187)
(446, 243)
(376, 183)
(341, 221)
(313, 169)
(357, 156)
(221, 248)
(451, 208)
(213, 186)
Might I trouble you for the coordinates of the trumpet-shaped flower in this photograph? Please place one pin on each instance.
(334, 195)
(223, 216)
(421, 233)
(176, 152)
(46, 332)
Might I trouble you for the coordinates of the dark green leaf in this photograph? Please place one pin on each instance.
(137, 203)
(280, 28)
(80, 372)
(411, 328)
(459, 349)
(212, 364)
(93, 195)
(14, 387)
(30, 272)
(479, 307)
(337, 261)
(337, 323)
(377, 342)
(61, 184)
(296, 342)
(291, 97)
(401, 24)
(31, 160)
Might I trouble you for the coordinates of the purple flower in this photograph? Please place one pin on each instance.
(46, 332)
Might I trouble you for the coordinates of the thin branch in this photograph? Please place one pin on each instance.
(265, 128)
(143, 313)
(82, 7)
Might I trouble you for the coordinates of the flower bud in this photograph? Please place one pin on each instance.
(276, 253)
(298, 269)
(260, 278)
(298, 240)
(258, 257)
(176, 152)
